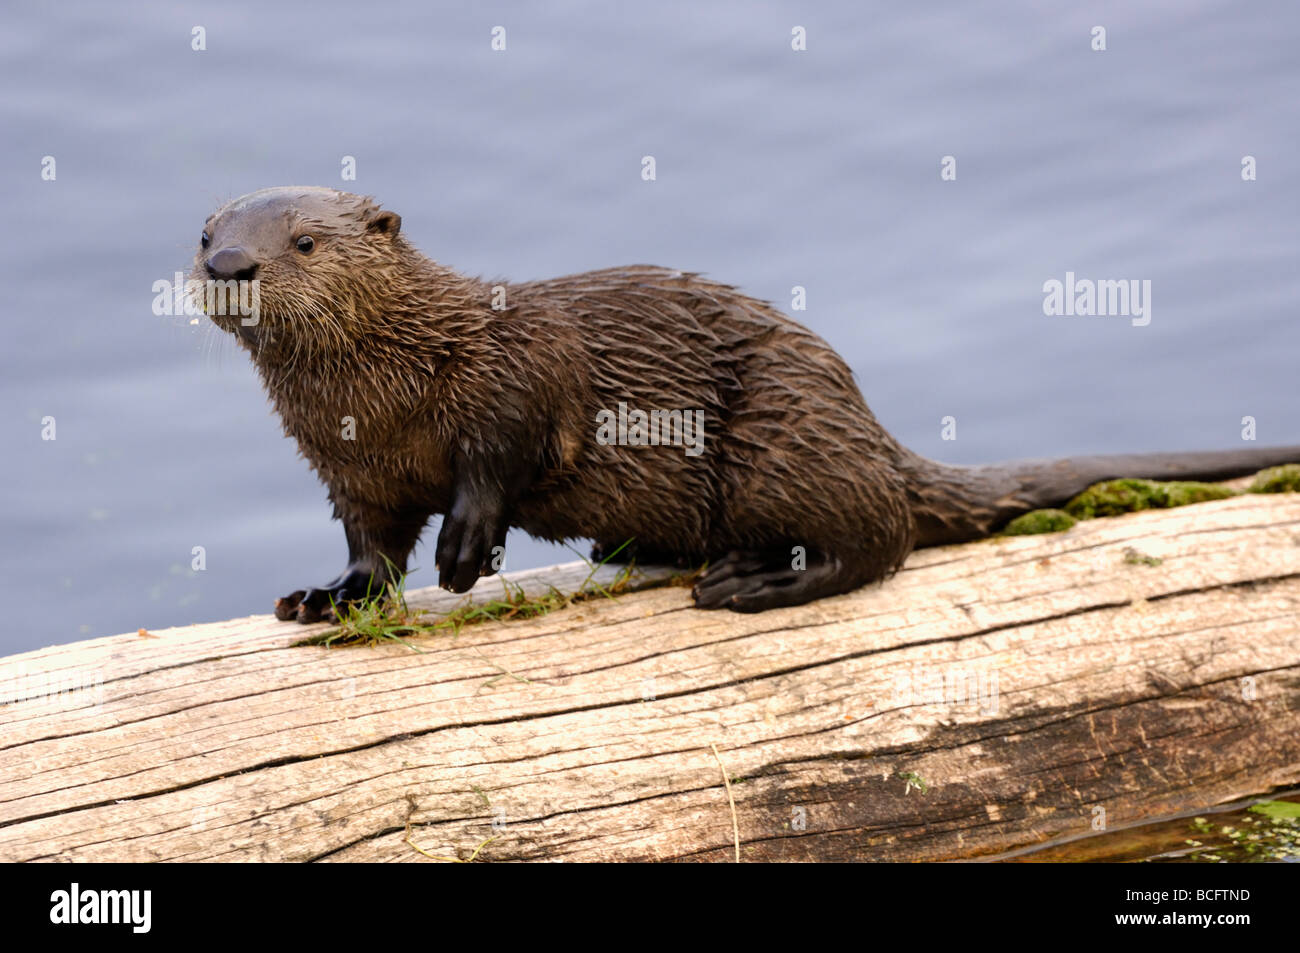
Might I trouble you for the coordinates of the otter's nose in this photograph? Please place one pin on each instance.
(232, 263)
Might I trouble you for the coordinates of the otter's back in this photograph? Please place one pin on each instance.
(792, 452)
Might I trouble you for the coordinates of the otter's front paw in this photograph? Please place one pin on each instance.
(318, 605)
(467, 549)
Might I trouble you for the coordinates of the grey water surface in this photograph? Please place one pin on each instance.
(775, 168)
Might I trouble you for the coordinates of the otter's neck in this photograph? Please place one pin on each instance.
(400, 348)
(422, 309)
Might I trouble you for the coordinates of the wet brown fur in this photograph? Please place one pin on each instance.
(448, 392)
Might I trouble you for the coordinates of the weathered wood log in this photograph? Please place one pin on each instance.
(990, 696)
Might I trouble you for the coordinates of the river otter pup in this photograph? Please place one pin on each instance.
(413, 390)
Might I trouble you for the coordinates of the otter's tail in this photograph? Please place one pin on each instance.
(953, 504)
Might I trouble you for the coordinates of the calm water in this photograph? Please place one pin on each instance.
(775, 169)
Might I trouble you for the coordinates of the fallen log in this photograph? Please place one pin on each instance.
(989, 697)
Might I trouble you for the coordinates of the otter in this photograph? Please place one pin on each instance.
(414, 391)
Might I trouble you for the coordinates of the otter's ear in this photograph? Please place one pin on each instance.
(383, 222)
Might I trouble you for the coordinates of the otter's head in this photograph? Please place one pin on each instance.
(314, 262)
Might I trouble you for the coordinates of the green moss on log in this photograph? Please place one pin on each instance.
(1127, 496)
(1136, 557)
(1283, 479)
(1039, 521)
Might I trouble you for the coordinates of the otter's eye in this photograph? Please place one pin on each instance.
(305, 244)
(205, 240)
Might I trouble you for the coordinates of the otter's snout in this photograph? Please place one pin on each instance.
(232, 263)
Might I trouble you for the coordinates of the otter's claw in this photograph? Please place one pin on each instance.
(309, 605)
(318, 605)
(465, 550)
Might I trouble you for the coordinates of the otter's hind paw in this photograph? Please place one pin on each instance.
(758, 581)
